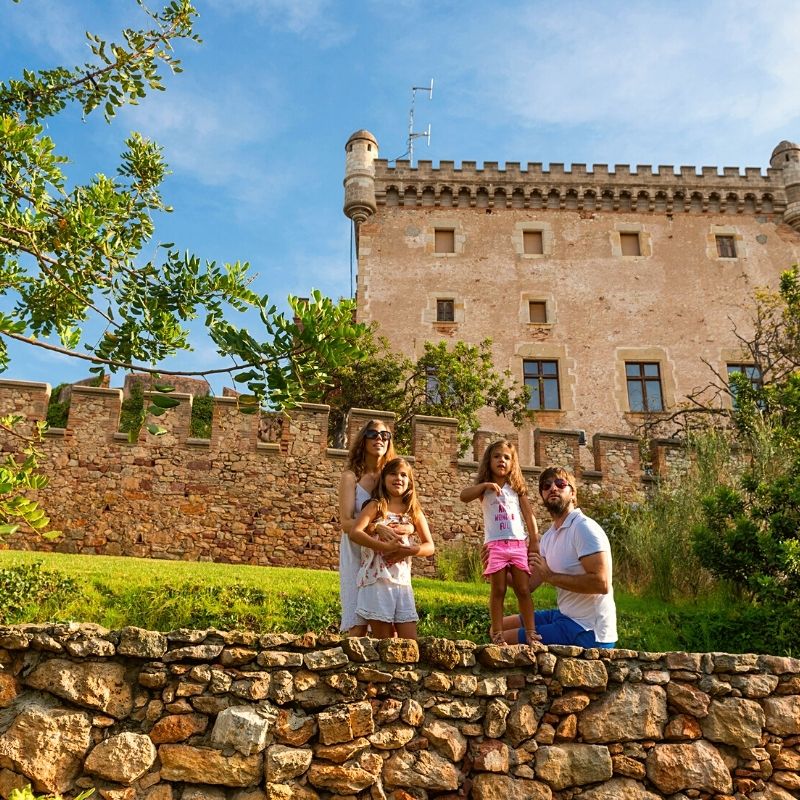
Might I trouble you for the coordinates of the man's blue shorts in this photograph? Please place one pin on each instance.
(557, 628)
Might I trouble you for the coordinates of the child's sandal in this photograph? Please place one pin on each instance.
(497, 637)
(531, 636)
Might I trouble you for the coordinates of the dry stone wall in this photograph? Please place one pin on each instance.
(142, 715)
(235, 498)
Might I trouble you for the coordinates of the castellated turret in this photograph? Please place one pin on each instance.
(786, 157)
(359, 176)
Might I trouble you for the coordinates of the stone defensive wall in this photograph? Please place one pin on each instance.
(665, 190)
(213, 715)
(239, 499)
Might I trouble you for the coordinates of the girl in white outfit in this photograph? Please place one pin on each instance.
(385, 596)
(370, 450)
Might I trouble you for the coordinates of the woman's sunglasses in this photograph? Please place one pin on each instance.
(384, 436)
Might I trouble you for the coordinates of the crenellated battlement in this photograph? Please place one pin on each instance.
(262, 494)
(371, 182)
(641, 189)
(469, 170)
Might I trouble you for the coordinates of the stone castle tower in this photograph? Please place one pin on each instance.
(786, 158)
(608, 291)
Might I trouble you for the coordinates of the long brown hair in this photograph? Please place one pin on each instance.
(515, 478)
(357, 459)
(409, 498)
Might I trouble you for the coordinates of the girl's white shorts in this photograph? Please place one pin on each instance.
(387, 602)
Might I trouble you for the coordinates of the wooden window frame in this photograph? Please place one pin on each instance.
(445, 309)
(532, 370)
(726, 245)
(643, 381)
(542, 304)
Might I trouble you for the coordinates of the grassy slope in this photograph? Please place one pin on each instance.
(164, 595)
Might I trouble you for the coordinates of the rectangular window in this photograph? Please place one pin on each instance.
(629, 242)
(644, 386)
(541, 377)
(537, 311)
(444, 240)
(445, 311)
(726, 247)
(532, 243)
(750, 371)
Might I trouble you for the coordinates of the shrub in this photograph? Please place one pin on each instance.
(132, 415)
(28, 585)
(57, 413)
(652, 541)
(459, 561)
(201, 417)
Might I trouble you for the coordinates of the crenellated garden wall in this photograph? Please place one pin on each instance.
(214, 715)
(237, 498)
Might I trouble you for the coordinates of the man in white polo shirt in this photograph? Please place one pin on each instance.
(575, 557)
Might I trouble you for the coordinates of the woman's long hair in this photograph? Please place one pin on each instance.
(409, 498)
(515, 477)
(357, 457)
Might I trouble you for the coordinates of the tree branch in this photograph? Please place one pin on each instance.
(139, 368)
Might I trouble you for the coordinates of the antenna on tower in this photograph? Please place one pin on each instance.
(411, 134)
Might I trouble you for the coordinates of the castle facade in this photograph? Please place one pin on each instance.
(612, 293)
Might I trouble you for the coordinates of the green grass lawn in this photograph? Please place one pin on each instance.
(164, 595)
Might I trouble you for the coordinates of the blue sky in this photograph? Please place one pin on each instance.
(254, 129)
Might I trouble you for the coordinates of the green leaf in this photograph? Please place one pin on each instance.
(156, 430)
(164, 402)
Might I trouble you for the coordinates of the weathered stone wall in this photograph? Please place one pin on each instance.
(235, 498)
(212, 715)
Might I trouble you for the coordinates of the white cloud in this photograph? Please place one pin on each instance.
(56, 29)
(220, 139)
(657, 78)
(309, 19)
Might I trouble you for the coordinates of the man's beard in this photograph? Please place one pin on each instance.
(557, 505)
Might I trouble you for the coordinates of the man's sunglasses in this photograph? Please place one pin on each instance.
(384, 436)
(560, 483)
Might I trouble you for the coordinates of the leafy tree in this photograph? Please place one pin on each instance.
(751, 533)
(455, 381)
(69, 256)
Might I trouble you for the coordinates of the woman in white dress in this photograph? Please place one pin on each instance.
(370, 450)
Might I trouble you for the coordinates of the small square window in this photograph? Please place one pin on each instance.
(629, 242)
(444, 240)
(644, 386)
(726, 247)
(537, 311)
(532, 243)
(445, 311)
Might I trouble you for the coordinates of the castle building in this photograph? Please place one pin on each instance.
(612, 293)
